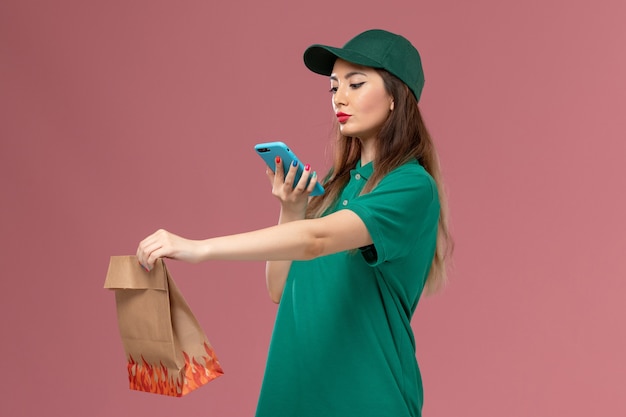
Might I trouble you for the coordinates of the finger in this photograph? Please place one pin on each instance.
(304, 179)
(312, 182)
(146, 254)
(157, 253)
(279, 173)
(148, 246)
(270, 175)
(141, 251)
(291, 175)
(139, 255)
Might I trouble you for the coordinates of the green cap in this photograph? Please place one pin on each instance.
(374, 48)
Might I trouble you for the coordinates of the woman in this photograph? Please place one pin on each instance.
(348, 267)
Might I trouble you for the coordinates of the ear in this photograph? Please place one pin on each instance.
(391, 106)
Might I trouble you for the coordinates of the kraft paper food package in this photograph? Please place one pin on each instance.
(168, 352)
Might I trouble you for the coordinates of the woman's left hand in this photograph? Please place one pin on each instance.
(163, 244)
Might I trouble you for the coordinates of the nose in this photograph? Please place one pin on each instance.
(340, 98)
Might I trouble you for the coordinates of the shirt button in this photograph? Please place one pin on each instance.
(357, 176)
(344, 202)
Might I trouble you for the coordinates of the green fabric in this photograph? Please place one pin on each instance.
(342, 344)
(374, 48)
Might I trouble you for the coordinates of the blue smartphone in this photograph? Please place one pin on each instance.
(270, 150)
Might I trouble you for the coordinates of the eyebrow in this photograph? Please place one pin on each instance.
(348, 75)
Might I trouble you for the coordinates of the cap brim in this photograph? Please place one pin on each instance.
(321, 58)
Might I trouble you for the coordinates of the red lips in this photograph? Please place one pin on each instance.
(342, 117)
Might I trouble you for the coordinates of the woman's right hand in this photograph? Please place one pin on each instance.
(293, 199)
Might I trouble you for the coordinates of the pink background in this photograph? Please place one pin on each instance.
(120, 117)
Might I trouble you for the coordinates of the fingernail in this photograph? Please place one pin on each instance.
(143, 266)
(307, 167)
(294, 163)
(278, 159)
(314, 174)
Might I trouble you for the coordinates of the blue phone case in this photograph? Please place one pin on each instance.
(270, 150)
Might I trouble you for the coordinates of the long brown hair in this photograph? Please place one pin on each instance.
(402, 137)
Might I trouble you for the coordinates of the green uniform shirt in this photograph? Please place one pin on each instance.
(342, 344)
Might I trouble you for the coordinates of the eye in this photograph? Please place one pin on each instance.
(356, 85)
(332, 90)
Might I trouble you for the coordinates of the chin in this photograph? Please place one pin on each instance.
(346, 131)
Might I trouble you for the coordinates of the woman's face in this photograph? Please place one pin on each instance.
(360, 100)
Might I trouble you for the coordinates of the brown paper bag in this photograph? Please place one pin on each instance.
(167, 350)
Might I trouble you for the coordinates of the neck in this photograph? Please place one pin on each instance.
(368, 151)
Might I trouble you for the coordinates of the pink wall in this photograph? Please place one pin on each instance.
(118, 117)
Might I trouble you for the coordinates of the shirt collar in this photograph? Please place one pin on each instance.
(364, 171)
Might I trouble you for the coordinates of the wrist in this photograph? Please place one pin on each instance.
(287, 216)
(203, 250)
